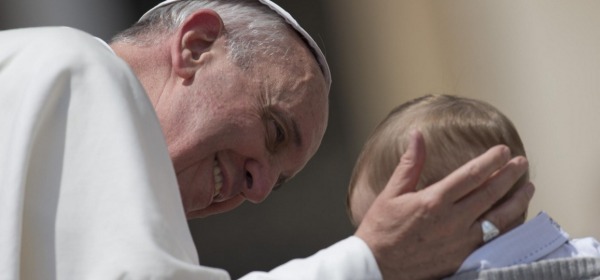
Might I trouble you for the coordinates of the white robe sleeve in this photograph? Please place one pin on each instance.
(87, 188)
(348, 259)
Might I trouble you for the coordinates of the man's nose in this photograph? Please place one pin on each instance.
(260, 180)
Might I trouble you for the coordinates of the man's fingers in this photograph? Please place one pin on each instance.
(506, 216)
(510, 213)
(406, 175)
(473, 174)
(482, 199)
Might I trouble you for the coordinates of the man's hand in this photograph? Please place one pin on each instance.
(428, 234)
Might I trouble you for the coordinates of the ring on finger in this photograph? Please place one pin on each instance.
(490, 231)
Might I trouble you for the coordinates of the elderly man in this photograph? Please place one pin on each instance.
(90, 189)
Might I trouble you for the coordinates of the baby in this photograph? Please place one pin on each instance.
(456, 130)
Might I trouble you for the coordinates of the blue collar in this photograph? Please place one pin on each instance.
(526, 243)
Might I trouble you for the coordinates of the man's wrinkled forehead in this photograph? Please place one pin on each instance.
(292, 22)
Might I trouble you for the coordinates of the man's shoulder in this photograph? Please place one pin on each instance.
(56, 43)
(51, 55)
(60, 50)
(46, 37)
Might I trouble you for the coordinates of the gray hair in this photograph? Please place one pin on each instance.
(253, 31)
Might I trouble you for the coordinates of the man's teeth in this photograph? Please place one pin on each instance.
(218, 179)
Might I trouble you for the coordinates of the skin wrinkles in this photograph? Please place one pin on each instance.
(290, 126)
(280, 115)
(259, 125)
(297, 105)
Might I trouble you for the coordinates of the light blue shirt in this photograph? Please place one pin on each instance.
(541, 238)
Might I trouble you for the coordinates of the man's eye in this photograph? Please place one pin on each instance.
(276, 133)
(279, 133)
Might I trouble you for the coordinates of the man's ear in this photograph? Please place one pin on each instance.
(194, 38)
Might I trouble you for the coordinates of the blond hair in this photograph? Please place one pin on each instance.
(455, 130)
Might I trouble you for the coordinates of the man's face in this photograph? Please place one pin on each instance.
(234, 134)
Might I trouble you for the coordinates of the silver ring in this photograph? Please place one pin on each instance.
(489, 230)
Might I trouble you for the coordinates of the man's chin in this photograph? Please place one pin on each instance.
(216, 208)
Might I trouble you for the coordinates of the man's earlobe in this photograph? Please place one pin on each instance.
(194, 39)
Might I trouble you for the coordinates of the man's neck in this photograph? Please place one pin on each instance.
(151, 65)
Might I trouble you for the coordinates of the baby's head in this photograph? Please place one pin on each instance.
(455, 130)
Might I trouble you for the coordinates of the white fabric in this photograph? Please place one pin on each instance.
(334, 262)
(87, 189)
(539, 239)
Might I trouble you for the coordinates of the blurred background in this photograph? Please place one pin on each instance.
(538, 61)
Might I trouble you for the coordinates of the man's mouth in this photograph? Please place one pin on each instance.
(218, 175)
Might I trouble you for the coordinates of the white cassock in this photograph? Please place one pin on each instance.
(87, 188)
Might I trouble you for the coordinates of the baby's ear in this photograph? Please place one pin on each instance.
(194, 39)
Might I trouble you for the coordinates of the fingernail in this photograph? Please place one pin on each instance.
(530, 190)
(414, 133)
(506, 152)
(413, 137)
